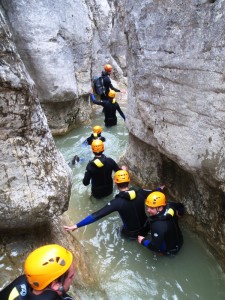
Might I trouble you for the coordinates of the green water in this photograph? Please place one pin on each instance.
(127, 270)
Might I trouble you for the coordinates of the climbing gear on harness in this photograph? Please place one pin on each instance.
(97, 146)
(156, 199)
(46, 264)
(121, 176)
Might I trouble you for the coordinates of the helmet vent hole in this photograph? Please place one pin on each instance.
(62, 262)
(57, 259)
(35, 283)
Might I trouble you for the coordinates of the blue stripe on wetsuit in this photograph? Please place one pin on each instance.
(146, 243)
(92, 97)
(88, 220)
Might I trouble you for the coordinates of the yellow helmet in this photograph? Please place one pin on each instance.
(97, 146)
(46, 264)
(121, 176)
(112, 94)
(156, 199)
(97, 129)
(108, 68)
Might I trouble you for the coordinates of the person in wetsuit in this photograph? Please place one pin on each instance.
(166, 236)
(107, 82)
(99, 171)
(110, 108)
(96, 135)
(48, 274)
(129, 203)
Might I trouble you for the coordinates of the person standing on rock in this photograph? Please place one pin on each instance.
(99, 171)
(166, 236)
(110, 108)
(49, 272)
(129, 203)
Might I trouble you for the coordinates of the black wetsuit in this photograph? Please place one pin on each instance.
(91, 138)
(166, 236)
(108, 85)
(99, 172)
(22, 291)
(110, 108)
(131, 207)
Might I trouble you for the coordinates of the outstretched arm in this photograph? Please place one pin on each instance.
(120, 111)
(92, 97)
(86, 221)
(104, 211)
(108, 82)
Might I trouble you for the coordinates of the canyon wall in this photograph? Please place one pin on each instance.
(176, 92)
(172, 54)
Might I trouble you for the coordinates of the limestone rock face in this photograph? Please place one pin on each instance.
(176, 92)
(63, 44)
(35, 180)
(176, 76)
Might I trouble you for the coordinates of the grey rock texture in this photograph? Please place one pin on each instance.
(173, 55)
(176, 92)
(35, 180)
(63, 44)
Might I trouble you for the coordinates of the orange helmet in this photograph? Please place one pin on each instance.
(156, 199)
(108, 68)
(97, 129)
(97, 146)
(46, 264)
(121, 176)
(112, 94)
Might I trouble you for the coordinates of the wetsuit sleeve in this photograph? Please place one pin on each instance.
(89, 140)
(102, 138)
(104, 211)
(92, 96)
(120, 111)
(157, 234)
(88, 220)
(108, 82)
(87, 176)
(115, 167)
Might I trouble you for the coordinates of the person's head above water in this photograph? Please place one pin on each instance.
(97, 147)
(155, 203)
(97, 129)
(50, 266)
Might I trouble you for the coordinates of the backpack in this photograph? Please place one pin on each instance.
(98, 85)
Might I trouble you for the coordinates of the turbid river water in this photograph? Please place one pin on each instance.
(125, 269)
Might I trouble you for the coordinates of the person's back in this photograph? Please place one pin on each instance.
(110, 108)
(94, 136)
(99, 171)
(130, 206)
(107, 82)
